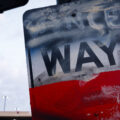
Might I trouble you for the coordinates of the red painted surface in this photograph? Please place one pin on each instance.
(78, 100)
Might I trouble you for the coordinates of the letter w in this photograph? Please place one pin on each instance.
(56, 55)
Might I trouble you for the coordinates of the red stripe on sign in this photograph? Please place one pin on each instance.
(78, 100)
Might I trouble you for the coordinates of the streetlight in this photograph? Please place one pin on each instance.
(5, 100)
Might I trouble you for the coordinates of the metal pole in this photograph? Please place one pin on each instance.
(5, 99)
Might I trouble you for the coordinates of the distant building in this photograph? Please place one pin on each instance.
(15, 116)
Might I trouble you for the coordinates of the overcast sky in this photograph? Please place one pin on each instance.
(13, 69)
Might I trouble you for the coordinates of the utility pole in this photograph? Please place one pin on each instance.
(5, 100)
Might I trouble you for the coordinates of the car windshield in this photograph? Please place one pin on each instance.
(14, 88)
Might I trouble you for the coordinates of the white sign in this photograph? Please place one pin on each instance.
(72, 41)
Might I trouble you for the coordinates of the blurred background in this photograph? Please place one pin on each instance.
(14, 88)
